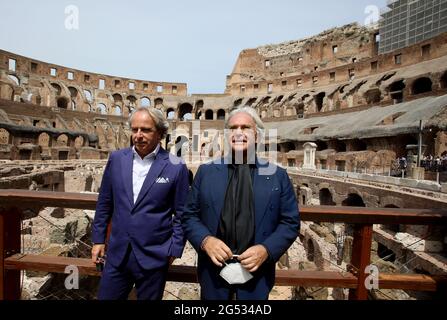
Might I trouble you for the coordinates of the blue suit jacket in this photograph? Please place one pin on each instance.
(153, 224)
(276, 217)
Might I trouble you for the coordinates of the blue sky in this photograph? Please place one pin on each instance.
(196, 41)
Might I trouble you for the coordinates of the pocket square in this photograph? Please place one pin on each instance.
(162, 180)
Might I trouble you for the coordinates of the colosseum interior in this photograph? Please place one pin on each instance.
(358, 110)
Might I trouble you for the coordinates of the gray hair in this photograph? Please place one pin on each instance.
(157, 116)
(252, 113)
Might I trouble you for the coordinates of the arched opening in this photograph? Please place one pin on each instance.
(57, 88)
(37, 99)
(185, 111)
(299, 110)
(251, 101)
(396, 90)
(73, 92)
(220, 114)
(181, 146)
(373, 96)
(88, 95)
(4, 136)
(79, 142)
(326, 197)
(237, 102)
(443, 81)
(421, 85)
(145, 102)
(62, 103)
(14, 79)
(209, 114)
(310, 253)
(101, 108)
(44, 140)
(117, 98)
(319, 98)
(199, 107)
(117, 111)
(358, 145)
(265, 100)
(132, 102)
(62, 140)
(158, 102)
(353, 200)
(279, 99)
(170, 114)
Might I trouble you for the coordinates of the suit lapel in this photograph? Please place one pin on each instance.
(126, 172)
(262, 190)
(218, 183)
(155, 170)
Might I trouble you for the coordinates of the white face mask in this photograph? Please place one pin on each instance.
(235, 273)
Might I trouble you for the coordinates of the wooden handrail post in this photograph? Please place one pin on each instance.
(361, 258)
(9, 245)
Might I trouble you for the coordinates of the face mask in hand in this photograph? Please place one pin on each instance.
(235, 273)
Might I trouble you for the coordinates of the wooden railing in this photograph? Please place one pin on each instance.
(14, 202)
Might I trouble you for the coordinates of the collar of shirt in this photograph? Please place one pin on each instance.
(140, 170)
(153, 154)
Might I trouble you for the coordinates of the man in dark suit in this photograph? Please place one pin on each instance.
(142, 193)
(240, 210)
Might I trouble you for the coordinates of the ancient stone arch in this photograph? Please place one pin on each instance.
(145, 102)
(79, 142)
(326, 198)
(185, 111)
(44, 140)
(353, 200)
(4, 136)
(170, 113)
(209, 114)
(421, 85)
(101, 108)
(62, 140)
(221, 114)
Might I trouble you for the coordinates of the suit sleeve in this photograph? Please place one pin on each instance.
(104, 206)
(181, 192)
(288, 226)
(195, 229)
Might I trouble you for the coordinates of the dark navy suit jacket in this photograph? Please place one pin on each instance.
(276, 217)
(153, 224)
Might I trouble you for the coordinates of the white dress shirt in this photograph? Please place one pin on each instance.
(140, 169)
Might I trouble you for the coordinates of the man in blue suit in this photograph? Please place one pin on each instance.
(143, 192)
(240, 210)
